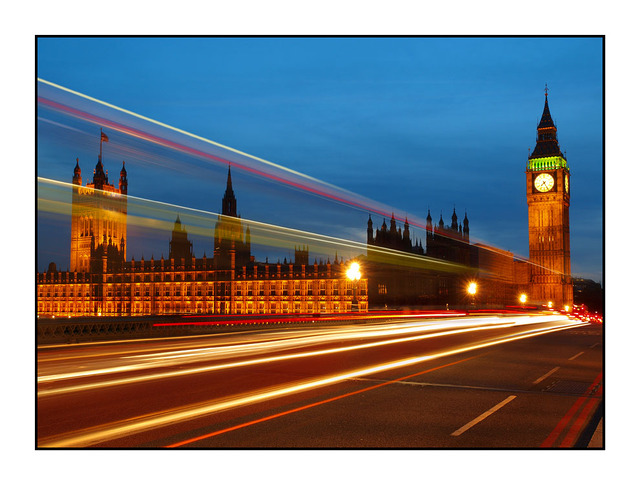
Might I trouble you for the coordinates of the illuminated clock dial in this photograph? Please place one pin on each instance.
(543, 182)
(566, 183)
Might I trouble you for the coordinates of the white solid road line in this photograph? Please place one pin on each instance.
(484, 415)
(577, 355)
(540, 379)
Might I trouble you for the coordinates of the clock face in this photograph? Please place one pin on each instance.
(543, 182)
(566, 183)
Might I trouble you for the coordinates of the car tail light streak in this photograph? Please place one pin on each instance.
(110, 431)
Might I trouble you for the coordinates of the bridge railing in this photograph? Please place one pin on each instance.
(89, 329)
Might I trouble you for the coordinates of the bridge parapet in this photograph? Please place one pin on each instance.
(91, 329)
(72, 331)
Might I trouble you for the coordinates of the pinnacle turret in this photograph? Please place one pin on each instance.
(77, 173)
(229, 199)
(546, 141)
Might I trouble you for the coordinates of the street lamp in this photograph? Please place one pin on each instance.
(353, 273)
(472, 289)
(523, 298)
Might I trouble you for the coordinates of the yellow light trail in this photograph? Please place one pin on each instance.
(337, 194)
(210, 368)
(118, 429)
(54, 197)
(467, 327)
(191, 135)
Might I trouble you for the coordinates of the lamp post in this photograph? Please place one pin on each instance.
(523, 299)
(353, 273)
(472, 289)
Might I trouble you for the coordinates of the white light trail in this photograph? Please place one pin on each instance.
(159, 360)
(196, 137)
(146, 213)
(313, 185)
(261, 348)
(111, 431)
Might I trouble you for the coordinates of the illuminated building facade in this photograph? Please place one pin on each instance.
(169, 286)
(98, 218)
(548, 198)
(103, 283)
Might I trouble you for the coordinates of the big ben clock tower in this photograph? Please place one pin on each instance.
(548, 195)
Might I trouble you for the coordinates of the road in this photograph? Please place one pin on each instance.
(492, 381)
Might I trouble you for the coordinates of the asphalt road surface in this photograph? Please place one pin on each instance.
(494, 381)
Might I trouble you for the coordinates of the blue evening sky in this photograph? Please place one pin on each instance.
(412, 123)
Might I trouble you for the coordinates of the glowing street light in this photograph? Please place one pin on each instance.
(472, 289)
(523, 298)
(353, 273)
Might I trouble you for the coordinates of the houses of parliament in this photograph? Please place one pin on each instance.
(102, 282)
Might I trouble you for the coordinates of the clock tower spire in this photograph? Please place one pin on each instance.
(548, 197)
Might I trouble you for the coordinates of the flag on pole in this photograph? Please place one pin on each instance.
(104, 137)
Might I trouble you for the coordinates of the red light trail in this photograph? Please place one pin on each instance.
(199, 153)
(338, 195)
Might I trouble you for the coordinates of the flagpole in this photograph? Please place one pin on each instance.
(100, 157)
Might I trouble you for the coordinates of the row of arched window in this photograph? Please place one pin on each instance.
(110, 228)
